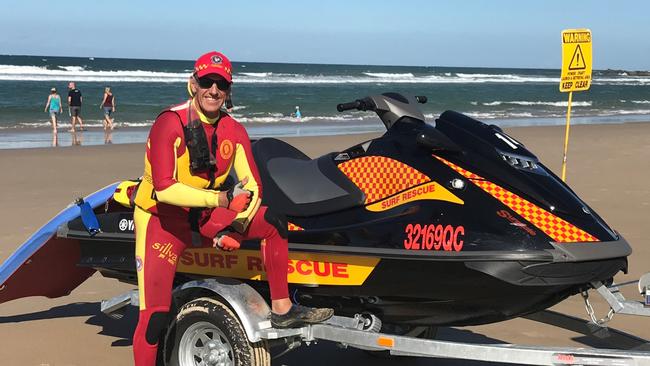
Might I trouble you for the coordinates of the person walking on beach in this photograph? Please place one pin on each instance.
(74, 106)
(191, 150)
(108, 104)
(54, 106)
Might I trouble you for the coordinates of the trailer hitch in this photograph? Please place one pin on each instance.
(618, 304)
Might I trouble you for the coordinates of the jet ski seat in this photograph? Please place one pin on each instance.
(298, 186)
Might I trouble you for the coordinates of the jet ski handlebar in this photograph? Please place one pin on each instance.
(368, 104)
(365, 104)
(390, 107)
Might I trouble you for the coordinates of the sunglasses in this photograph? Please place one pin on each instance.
(206, 83)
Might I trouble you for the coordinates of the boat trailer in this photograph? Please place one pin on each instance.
(362, 330)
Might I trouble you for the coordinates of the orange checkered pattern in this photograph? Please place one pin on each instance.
(294, 227)
(380, 177)
(560, 230)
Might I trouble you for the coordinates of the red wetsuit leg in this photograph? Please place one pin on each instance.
(157, 253)
(275, 253)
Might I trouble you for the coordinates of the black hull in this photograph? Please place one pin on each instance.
(456, 293)
(419, 290)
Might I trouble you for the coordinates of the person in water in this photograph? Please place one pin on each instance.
(297, 113)
(74, 104)
(108, 104)
(53, 105)
(192, 148)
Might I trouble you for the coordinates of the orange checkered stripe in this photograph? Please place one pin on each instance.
(205, 66)
(380, 177)
(560, 230)
(294, 227)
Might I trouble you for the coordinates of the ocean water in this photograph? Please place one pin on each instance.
(265, 95)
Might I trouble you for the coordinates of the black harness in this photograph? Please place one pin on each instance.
(202, 158)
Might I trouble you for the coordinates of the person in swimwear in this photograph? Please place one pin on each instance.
(54, 106)
(108, 105)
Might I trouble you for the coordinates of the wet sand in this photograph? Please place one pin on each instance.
(608, 168)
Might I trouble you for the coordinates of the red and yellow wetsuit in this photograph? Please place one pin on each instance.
(167, 191)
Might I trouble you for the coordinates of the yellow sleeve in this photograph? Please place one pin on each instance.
(244, 168)
(179, 194)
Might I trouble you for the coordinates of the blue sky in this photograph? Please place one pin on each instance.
(430, 33)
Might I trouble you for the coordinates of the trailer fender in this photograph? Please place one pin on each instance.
(249, 306)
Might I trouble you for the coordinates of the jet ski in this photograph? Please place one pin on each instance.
(447, 223)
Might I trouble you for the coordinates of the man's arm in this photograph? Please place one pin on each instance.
(244, 165)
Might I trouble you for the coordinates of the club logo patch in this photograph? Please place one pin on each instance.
(216, 59)
(166, 252)
(138, 263)
(226, 149)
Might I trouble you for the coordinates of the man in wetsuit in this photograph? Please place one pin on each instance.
(191, 150)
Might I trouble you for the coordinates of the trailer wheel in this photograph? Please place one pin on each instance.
(206, 332)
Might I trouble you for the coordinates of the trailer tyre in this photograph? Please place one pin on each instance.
(206, 332)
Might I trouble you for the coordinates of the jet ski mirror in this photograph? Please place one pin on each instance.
(432, 139)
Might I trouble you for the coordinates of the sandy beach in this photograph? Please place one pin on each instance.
(607, 167)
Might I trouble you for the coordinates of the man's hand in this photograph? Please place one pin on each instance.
(238, 197)
(225, 242)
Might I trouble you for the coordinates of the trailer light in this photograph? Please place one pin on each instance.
(386, 342)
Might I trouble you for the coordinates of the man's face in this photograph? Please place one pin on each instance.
(71, 86)
(210, 98)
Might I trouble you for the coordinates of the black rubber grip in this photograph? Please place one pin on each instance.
(347, 106)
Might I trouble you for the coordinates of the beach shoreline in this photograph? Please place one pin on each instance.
(42, 137)
(607, 168)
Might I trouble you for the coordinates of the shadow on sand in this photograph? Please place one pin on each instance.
(122, 328)
(323, 353)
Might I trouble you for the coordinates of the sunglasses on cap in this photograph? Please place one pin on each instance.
(206, 83)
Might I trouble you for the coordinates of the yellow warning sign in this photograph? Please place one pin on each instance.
(576, 60)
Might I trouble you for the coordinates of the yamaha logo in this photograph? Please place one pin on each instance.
(125, 225)
(216, 59)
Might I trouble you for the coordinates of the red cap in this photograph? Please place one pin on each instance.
(213, 63)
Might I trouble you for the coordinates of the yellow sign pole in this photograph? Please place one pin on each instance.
(566, 137)
(575, 73)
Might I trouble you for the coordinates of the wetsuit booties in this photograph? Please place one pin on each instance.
(299, 316)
